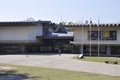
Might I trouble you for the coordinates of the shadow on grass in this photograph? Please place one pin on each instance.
(13, 75)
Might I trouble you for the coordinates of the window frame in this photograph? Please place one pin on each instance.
(103, 35)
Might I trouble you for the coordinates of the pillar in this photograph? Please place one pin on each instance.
(81, 50)
(23, 48)
(108, 50)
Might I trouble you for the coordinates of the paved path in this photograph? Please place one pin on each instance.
(64, 61)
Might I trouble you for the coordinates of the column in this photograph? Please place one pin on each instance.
(81, 50)
(108, 50)
(23, 48)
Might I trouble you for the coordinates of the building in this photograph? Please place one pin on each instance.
(45, 36)
(97, 39)
(31, 37)
(56, 37)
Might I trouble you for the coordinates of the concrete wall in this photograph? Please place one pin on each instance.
(19, 33)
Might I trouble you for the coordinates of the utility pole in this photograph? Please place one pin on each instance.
(90, 36)
(98, 37)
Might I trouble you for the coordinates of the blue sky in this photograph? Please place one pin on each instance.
(61, 10)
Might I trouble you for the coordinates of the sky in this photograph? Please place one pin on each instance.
(107, 11)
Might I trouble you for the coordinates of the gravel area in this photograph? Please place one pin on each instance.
(64, 61)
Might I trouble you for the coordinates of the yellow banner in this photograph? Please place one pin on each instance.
(105, 34)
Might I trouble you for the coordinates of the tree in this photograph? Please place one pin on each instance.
(62, 23)
(30, 19)
(70, 23)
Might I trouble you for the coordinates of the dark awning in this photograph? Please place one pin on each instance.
(56, 37)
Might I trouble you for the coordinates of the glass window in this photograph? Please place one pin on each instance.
(103, 35)
(112, 35)
(94, 35)
(94, 49)
(108, 35)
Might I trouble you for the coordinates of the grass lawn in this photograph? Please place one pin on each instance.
(36, 73)
(100, 59)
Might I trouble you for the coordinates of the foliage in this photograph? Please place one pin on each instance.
(30, 19)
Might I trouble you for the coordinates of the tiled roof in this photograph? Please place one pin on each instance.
(23, 23)
(93, 25)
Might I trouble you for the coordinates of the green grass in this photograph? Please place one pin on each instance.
(56, 74)
(100, 59)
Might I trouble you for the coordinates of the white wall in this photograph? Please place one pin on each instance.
(20, 32)
(78, 33)
(35, 31)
